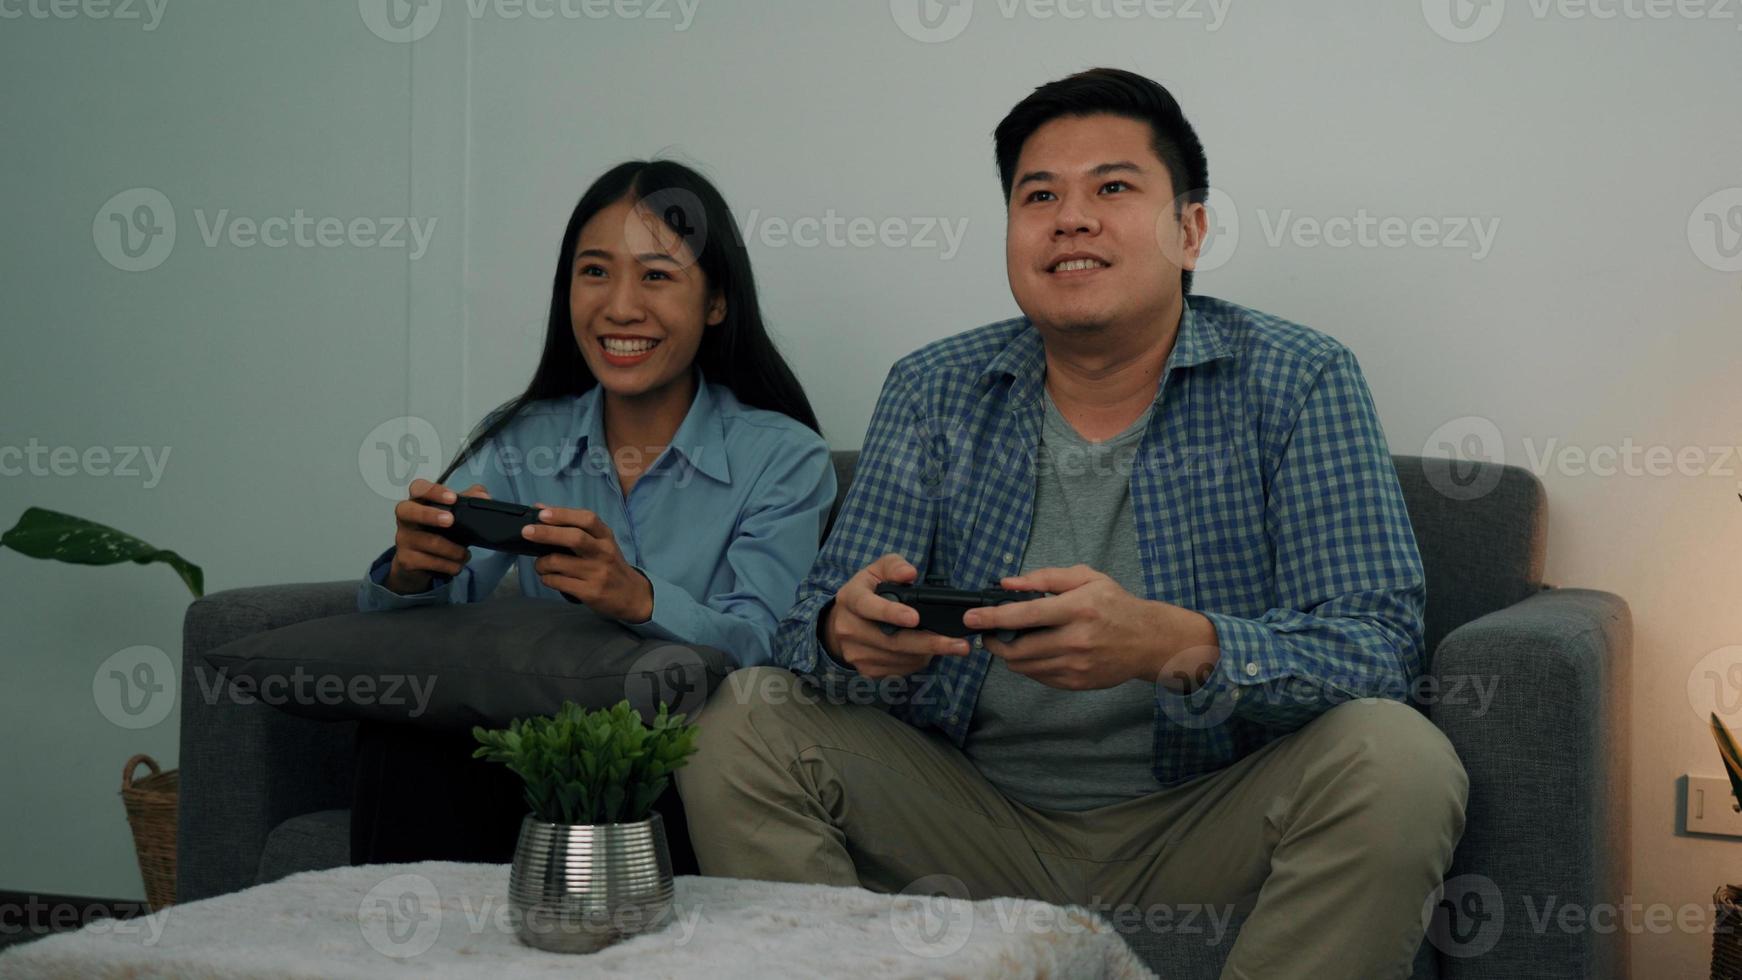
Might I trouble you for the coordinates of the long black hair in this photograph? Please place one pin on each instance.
(736, 352)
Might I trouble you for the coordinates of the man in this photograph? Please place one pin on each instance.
(1208, 707)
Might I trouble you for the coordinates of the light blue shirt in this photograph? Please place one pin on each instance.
(724, 523)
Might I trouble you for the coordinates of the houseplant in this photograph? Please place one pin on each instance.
(152, 802)
(591, 866)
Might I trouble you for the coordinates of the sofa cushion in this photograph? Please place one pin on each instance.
(454, 666)
(310, 842)
(1482, 529)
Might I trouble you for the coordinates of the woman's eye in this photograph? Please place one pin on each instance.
(657, 274)
(595, 271)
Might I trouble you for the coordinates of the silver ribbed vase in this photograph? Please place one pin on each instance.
(580, 888)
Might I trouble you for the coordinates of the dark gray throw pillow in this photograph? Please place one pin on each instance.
(451, 667)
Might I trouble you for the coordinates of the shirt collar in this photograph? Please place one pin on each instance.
(1199, 341)
(700, 439)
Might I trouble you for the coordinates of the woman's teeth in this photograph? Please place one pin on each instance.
(621, 346)
(1078, 265)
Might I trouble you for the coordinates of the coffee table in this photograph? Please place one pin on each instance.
(441, 919)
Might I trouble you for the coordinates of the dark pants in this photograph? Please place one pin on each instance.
(420, 796)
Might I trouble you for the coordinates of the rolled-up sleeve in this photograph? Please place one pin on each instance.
(1349, 578)
(773, 549)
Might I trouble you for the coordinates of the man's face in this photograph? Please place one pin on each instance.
(1093, 241)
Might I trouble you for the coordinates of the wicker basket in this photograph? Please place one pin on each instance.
(1727, 934)
(151, 810)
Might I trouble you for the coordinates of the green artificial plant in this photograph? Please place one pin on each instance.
(591, 767)
(42, 533)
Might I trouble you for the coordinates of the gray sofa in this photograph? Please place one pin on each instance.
(264, 794)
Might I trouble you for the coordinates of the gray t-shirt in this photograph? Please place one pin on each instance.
(1072, 750)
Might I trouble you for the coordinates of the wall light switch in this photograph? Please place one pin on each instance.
(1711, 807)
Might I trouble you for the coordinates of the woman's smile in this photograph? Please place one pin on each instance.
(623, 350)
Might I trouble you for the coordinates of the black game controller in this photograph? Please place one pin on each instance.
(493, 524)
(941, 607)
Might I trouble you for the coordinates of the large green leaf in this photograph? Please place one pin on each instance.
(49, 534)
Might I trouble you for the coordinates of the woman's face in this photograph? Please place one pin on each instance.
(638, 303)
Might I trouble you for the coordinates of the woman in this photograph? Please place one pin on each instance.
(677, 464)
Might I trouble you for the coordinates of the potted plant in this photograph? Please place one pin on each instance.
(151, 803)
(592, 866)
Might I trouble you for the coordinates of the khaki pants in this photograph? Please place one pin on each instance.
(1334, 835)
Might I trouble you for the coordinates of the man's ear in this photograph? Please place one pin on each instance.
(1194, 228)
(716, 310)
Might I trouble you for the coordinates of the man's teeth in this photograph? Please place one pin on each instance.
(620, 346)
(1077, 265)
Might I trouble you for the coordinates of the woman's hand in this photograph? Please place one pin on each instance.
(596, 572)
(419, 553)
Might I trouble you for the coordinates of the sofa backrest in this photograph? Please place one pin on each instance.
(1481, 529)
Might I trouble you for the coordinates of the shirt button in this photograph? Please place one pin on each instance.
(1252, 670)
(1008, 558)
(1234, 695)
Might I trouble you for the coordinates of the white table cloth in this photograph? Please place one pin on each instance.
(440, 919)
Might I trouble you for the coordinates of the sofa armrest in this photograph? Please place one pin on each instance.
(247, 767)
(1547, 757)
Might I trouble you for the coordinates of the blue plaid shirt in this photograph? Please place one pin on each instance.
(1264, 496)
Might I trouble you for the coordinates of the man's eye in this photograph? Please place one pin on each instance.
(1115, 185)
(1040, 195)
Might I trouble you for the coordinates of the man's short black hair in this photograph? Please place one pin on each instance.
(1119, 93)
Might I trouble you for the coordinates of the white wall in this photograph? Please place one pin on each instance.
(1592, 319)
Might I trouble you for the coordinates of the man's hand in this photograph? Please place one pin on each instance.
(853, 632)
(596, 572)
(1091, 634)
